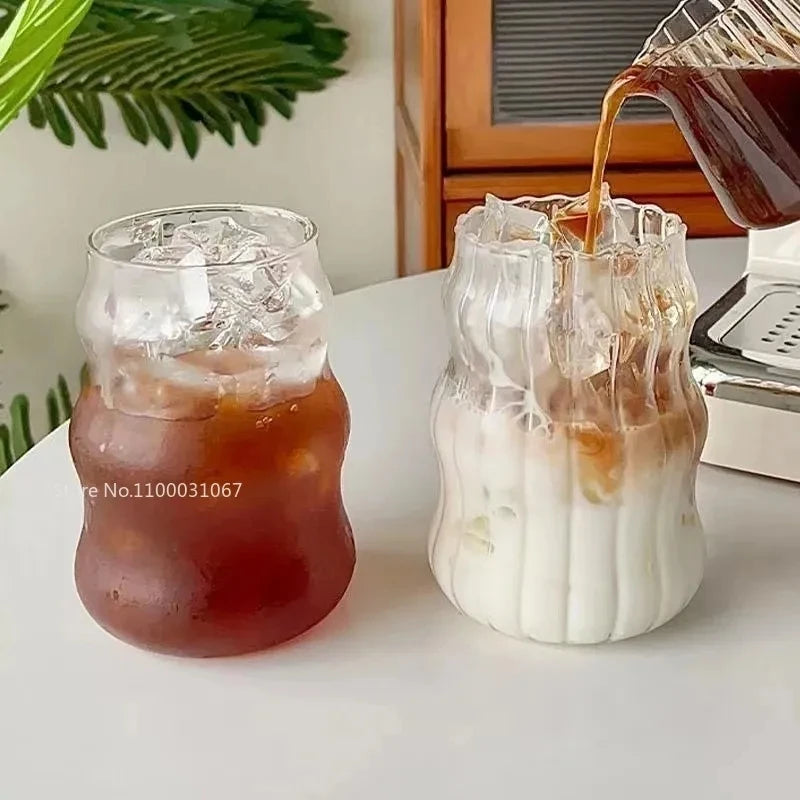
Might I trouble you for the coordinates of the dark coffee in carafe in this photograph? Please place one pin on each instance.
(743, 126)
(729, 71)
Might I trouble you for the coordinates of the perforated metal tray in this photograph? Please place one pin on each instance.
(746, 347)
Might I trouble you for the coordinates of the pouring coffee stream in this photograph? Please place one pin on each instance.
(619, 91)
(729, 71)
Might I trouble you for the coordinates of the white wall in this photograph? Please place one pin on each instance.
(332, 162)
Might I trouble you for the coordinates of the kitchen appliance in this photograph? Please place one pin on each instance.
(745, 353)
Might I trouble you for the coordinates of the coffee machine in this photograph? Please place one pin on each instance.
(745, 354)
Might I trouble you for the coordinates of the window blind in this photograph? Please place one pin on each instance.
(554, 59)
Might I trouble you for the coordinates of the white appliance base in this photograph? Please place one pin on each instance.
(753, 438)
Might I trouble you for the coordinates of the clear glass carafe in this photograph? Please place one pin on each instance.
(729, 70)
(209, 440)
(568, 426)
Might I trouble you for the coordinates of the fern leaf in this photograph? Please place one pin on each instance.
(241, 113)
(214, 114)
(133, 119)
(278, 102)
(94, 108)
(154, 118)
(255, 106)
(90, 124)
(173, 65)
(36, 114)
(21, 438)
(64, 396)
(57, 119)
(53, 414)
(187, 129)
(6, 458)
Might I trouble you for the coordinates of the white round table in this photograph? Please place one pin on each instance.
(396, 696)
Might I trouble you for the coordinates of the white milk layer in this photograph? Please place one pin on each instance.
(534, 539)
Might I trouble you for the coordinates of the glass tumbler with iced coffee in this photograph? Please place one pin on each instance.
(210, 438)
(567, 424)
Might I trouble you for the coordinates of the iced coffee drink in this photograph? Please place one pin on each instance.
(209, 441)
(567, 424)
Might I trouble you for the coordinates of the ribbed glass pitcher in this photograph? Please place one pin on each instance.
(729, 70)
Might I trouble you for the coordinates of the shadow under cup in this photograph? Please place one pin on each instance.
(210, 437)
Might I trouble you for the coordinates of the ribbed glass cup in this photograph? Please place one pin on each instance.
(568, 430)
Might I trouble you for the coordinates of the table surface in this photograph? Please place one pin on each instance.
(396, 695)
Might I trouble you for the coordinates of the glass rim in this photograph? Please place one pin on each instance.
(680, 30)
(675, 228)
(715, 9)
(310, 231)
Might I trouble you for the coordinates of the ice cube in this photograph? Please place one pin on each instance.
(157, 305)
(188, 288)
(242, 374)
(581, 336)
(248, 309)
(615, 230)
(492, 221)
(171, 256)
(209, 233)
(162, 388)
(223, 241)
(125, 243)
(571, 223)
(212, 331)
(212, 301)
(149, 232)
(296, 367)
(507, 222)
(523, 225)
(144, 306)
(271, 300)
(252, 289)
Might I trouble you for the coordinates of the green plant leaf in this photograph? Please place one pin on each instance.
(57, 119)
(133, 119)
(83, 114)
(53, 415)
(64, 396)
(6, 459)
(86, 377)
(36, 113)
(278, 102)
(240, 112)
(186, 127)
(29, 46)
(255, 106)
(17, 440)
(172, 65)
(21, 438)
(93, 106)
(213, 114)
(155, 119)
